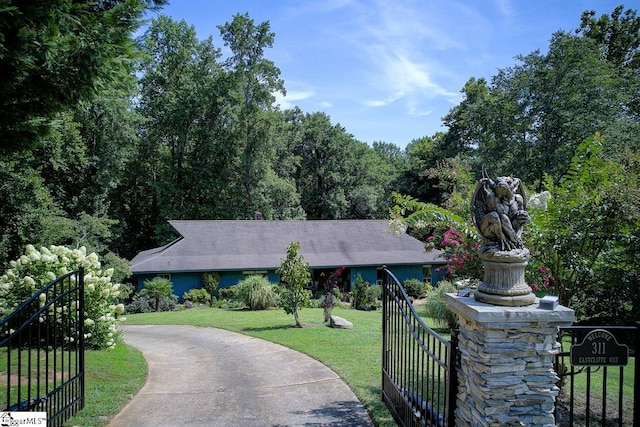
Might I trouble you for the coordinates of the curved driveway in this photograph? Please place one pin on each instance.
(211, 377)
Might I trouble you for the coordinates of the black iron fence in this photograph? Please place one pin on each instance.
(419, 382)
(42, 349)
(598, 395)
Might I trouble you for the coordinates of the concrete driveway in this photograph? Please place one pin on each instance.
(211, 377)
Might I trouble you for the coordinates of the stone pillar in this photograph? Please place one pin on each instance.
(506, 375)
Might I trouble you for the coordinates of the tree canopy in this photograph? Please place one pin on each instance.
(106, 138)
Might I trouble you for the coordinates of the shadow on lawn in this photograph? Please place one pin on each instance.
(279, 328)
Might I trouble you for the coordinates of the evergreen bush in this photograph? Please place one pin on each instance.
(415, 288)
(210, 282)
(197, 296)
(228, 294)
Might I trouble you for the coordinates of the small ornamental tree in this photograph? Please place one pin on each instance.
(36, 268)
(158, 289)
(331, 290)
(294, 276)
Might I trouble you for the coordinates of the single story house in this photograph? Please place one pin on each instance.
(236, 249)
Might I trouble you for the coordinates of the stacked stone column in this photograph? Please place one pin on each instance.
(506, 375)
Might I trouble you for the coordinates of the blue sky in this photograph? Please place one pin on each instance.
(389, 70)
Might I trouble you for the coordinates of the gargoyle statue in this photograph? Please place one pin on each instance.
(499, 212)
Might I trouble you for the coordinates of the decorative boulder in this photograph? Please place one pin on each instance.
(340, 323)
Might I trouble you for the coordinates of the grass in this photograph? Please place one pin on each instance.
(597, 392)
(113, 377)
(31, 364)
(355, 355)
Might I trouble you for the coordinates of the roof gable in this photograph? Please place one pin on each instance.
(218, 245)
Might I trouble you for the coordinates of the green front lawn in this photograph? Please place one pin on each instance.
(113, 377)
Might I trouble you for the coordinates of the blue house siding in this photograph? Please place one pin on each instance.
(230, 278)
(404, 272)
(185, 281)
(368, 274)
(182, 282)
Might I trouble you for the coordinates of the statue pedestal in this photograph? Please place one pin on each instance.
(505, 373)
(504, 284)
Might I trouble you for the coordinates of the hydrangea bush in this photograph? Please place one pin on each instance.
(36, 268)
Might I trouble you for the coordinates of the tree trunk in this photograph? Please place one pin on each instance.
(295, 316)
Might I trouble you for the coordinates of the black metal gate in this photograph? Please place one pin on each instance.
(43, 344)
(419, 382)
(598, 395)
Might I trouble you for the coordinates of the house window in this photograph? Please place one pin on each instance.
(164, 276)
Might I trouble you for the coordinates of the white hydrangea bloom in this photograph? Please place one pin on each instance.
(397, 227)
(539, 200)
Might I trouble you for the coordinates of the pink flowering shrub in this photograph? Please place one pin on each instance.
(461, 252)
(540, 280)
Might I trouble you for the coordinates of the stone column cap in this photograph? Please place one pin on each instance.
(469, 308)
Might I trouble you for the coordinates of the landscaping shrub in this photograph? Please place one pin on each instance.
(373, 295)
(158, 289)
(332, 294)
(294, 275)
(257, 293)
(415, 288)
(157, 295)
(139, 304)
(143, 303)
(36, 268)
(365, 296)
(197, 296)
(210, 282)
(230, 293)
(436, 306)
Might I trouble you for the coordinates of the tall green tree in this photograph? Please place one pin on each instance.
(57, 60)
(422, 154)
(26, 204)
(323, 173)
(54, 54)
(587, 236)
(618, 39)
(531, 117)
(617, 35)
(254, 80)
(183, 165)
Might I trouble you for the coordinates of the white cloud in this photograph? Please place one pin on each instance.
(396, 44)
(288, 101)
(376, 103)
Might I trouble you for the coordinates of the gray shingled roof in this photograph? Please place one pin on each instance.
(243, 245)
